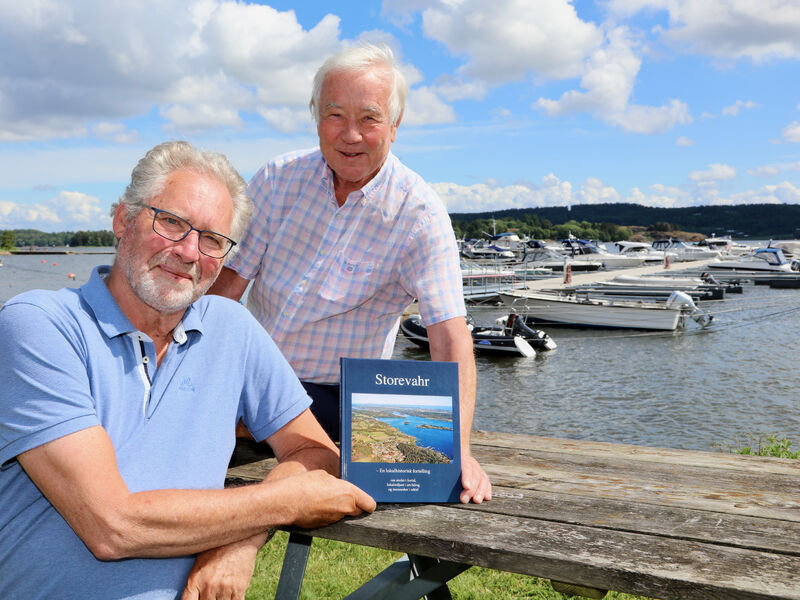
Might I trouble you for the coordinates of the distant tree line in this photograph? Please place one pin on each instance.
(759, 221)
(531, 225)
(32, 237)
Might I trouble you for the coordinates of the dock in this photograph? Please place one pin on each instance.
(551, 283)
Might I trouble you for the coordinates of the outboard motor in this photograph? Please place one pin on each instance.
(683, 301)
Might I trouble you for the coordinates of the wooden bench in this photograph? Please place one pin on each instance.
(662, 523)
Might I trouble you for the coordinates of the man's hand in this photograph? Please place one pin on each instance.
(322, 499)
(223, 573)
(474, 480)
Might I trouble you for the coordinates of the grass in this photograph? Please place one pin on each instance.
(336, 569)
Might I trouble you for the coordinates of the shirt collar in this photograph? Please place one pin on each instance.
(110, 318)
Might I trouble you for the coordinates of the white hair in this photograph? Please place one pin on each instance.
(363, 57)
(150, 174)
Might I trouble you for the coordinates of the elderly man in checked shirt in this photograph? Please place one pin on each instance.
(344, 237)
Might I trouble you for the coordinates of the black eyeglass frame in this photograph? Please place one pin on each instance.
(200, 232)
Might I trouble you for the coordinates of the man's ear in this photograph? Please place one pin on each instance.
(120, 222)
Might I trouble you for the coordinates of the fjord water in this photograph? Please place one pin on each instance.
(719, 388)
(695, 390)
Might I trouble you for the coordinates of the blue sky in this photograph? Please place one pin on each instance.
(513, 103)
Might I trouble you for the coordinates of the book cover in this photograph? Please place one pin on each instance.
(400, 429)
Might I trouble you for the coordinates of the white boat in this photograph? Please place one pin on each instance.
(641, 250)
(685, 252)
(482, 282)
(725, 245)
(578, 250)
(540, 254)
(481, 249)
(790, 248)
(761, 260)
(585, 311)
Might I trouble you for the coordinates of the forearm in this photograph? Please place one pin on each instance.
(178, 522)
(454, 344)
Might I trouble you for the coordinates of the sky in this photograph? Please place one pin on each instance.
(513, 103)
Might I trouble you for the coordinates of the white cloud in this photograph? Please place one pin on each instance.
(736, 108)
(486, 197)
(68, 211)
(114, 132)
(764, 171)
(608, 83)
(715, 172)
(728, 29)
(506, 40)
(684, 142)
(424, 106)
(202, 63)
(773, 170)
(791, 133)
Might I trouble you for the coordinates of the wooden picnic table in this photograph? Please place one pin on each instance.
(661, 523)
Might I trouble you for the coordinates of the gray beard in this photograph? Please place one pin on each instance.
(159, 295)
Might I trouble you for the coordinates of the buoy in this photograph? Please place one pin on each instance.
(43, 261)
(55, 264)
(71, 275)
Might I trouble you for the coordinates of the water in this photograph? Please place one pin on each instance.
(738, 379)
(438, 439)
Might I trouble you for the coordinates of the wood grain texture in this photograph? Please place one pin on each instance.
(659, 522)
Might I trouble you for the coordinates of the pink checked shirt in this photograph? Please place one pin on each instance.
(331, 281)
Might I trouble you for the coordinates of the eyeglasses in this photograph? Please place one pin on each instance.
(174, 228)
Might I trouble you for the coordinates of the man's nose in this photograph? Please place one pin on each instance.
(351, 133)
(189, 247)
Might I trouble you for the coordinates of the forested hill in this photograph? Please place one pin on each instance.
(759, 221)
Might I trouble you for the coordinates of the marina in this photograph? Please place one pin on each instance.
(696, 389)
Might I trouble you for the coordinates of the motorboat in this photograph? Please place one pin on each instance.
(685, 252)
(704, 287)
(541, 254)
(760, 260)
(571, 307)
(647, 253)
(482, 282)
(578, 250)
(481, 249)
(511, 337)
(725, 245)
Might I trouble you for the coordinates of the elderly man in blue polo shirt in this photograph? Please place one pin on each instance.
(119, 403)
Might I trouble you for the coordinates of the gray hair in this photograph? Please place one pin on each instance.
(149, 176)
(358, 58)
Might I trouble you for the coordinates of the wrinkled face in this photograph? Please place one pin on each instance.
(355, 132)
(165, 275)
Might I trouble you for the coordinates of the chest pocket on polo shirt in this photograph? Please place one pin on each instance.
(348, 280)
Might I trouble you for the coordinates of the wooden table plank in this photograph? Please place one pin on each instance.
(645, 454)
(629, 562)
(681, 523)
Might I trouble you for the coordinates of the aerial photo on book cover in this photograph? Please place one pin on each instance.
(400, 429)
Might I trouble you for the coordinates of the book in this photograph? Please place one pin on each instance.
(400, 430)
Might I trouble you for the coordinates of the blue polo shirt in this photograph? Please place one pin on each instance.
(72, 360)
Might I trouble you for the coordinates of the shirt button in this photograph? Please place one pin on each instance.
(146, 359)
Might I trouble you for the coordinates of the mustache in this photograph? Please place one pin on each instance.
(174, 264)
